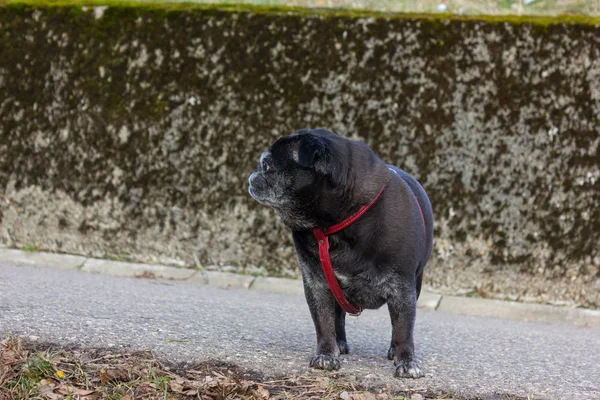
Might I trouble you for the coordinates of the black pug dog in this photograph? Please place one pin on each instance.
(363, 232)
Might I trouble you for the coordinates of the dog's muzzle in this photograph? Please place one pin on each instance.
(253, 185)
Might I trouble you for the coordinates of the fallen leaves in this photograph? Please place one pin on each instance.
(219, 386)
(25, 373)
(62, 391)
(115, 374)
(12, 356)
(127, 376)
(91, 375)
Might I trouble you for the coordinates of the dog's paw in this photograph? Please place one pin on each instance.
(343, 346)
(391, 353)
(408, 369)
(326, 362)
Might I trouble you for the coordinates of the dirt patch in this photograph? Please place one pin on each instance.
(46, 371)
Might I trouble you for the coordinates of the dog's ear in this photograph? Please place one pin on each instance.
(314, 152)
(311, 150)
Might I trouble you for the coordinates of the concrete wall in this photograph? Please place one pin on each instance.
(129, 132)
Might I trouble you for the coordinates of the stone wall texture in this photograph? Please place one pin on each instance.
(129, 132)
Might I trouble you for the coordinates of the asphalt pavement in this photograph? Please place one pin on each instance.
(273, 334)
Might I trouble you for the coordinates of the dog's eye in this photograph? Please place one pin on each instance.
(265, 167)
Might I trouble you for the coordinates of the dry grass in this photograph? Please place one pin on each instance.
(49, 373)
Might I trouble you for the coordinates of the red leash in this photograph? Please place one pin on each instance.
(322, 239)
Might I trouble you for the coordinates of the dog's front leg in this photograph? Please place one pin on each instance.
(322, 309)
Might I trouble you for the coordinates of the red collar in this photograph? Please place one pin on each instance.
(323, 241)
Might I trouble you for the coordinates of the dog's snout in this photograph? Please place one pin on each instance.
(251, 178)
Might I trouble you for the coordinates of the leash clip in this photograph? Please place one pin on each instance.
(356, 314)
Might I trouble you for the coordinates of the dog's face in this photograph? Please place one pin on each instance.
(291, 175)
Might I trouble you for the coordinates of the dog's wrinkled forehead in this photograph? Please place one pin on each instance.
(285, 150)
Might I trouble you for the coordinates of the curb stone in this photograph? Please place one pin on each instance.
(429, 300)
(53, 260)
(278, 285)
(451, 304)
(200, 277)
(118, 268)
(520, 311)
(227, 280)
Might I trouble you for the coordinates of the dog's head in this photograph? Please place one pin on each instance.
(292, 173)
(311, 176)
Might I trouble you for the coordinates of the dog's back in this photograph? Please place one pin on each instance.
(426, 209)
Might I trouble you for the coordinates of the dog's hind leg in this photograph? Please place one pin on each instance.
(402, 309)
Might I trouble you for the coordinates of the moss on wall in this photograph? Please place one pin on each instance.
(131, 130)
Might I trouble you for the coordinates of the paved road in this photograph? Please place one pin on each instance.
(274, 334)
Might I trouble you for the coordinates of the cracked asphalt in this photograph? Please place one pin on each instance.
(273, 334)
